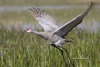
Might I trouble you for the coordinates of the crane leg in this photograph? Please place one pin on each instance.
(62, 55)
(66, 65)
(60, 49)
(68, 56)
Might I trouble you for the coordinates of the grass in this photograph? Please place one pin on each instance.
(20, 49)
(63, 15)
(44, 2)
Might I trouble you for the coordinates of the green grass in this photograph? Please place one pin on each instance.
(29, 50)
(63, 15)
(44, 2)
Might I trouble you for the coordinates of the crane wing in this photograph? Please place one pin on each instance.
(47, 21)
(63, 30)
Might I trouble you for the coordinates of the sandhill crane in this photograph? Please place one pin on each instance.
(53, 33)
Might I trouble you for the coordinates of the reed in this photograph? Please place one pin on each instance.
(18, 49)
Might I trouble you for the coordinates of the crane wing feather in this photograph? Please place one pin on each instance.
(63, 30)
(47, 21)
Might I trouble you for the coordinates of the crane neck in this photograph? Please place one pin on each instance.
(36, 32)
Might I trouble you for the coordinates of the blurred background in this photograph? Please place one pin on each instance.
(15, 12)
(19, 49)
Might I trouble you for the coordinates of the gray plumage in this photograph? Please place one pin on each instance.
(53, 33)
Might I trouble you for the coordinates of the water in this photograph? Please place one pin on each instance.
(91, 27)
(24, 8)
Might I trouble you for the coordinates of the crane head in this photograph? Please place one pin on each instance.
(28, 30)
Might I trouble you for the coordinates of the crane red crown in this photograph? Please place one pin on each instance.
(27, 29)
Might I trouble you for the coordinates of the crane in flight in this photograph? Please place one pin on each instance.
(53, 33)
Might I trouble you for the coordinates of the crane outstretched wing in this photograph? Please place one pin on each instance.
(63, 30)
(47, 21)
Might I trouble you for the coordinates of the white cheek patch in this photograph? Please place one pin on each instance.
(29, 30)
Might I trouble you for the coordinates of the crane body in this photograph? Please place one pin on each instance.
(53, 33)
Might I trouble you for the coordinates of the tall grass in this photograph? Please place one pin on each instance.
(20, 49)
